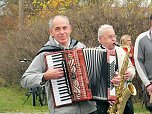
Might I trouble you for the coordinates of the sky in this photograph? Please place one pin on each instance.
(146, 1)
(2, 2)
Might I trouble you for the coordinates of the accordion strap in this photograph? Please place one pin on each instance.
(116, 66)
(49, 48)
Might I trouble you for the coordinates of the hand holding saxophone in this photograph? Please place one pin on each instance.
(116, 79)
(127, 75)
(112, 102)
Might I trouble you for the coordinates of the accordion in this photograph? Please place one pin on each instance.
(86, 75)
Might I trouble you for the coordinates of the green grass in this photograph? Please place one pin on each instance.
(12, 99)
(139, 108)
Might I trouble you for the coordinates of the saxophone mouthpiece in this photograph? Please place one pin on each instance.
(116, 43)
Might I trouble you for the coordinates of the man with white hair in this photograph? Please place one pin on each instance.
(107, 39)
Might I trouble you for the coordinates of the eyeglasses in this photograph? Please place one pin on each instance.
(112, 36)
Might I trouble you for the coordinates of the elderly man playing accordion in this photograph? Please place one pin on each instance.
(38, 74)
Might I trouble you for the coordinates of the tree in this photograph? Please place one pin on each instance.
(21, 14)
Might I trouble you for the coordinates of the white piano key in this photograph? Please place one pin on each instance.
(57, 59)
(59, 86)
(62, 95)
(63, 78)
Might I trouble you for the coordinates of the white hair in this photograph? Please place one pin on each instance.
(52, 19)
(102, 29)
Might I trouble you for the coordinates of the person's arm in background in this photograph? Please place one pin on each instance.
(139, 61)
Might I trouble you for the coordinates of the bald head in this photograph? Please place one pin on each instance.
(58, 19)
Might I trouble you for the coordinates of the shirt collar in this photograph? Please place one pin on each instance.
(106, 48)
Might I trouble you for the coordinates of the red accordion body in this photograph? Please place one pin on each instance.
(78, 75)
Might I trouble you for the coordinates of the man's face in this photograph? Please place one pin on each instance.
(108, 38)
(61, 30)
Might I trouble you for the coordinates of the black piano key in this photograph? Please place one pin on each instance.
(58, 65)
(63, 80)
(63, 93)
(63, 87)
(66, 76)
(60, 83)
(58, 54)
(65, 99)
(55, 61)
(63, 90)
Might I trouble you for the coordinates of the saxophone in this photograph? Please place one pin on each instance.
(122, 93)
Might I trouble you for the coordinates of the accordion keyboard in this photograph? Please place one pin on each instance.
(60, 86)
